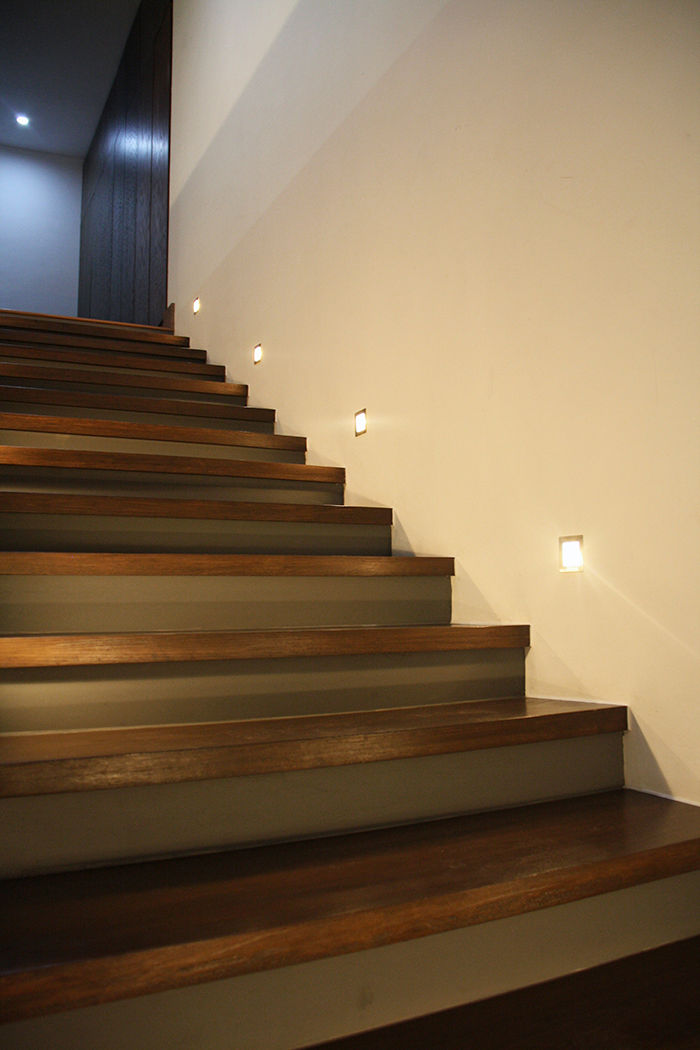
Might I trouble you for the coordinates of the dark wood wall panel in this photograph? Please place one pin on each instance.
(124, 232)
(161, 152)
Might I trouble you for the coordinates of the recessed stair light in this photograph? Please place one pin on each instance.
(571, 553)
(257, 354)
(22, 119)
(196, 306)
(361, 422)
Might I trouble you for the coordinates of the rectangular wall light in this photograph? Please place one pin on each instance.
(361, 422)
(571, 554)
(257, 354)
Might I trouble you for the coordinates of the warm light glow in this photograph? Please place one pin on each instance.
(257, 354)
(196, 306)
(361, 422)
(571, 553)
(21, 119)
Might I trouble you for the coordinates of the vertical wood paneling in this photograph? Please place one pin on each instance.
(160, 166)
(125, 263)
(123, 250)
(118, 121)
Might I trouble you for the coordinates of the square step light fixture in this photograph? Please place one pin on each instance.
(196, 305)
(571, 554)
(361, 422)
(257, 354)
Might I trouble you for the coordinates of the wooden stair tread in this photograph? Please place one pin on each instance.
(647, 1001)
(147, 431)
(113, 359)
(136, 403)
(81, 938)
(15, 337)
(42, 563)
(45, 762)
(67, 459)
(47, 374)
(73, 650)
(221, 510)
(90, 326)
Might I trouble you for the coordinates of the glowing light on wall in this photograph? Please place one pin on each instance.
(571, 553)
(361, 422)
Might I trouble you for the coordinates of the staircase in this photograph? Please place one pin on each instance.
(255, 785)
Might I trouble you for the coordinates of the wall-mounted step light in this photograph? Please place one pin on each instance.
(257, 354)
(571, 553)
(196, 305)
(361, 422)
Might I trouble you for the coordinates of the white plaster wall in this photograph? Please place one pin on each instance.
(40, 196)
(480, 221)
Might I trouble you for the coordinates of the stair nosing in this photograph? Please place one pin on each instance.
(154, 363)
(18, 456)
(137, 403)
(20, 337)
(100, 563)
(74, 650)
(215, 510)
(43, 762)
(67, 376)
(85, 426)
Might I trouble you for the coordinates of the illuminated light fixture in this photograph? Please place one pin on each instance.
(257, 354)
(22, 119)
(361, 422)
(571, 553)
(196, 306)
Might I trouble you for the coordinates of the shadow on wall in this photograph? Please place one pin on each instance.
(333, 40)
(693, 650)
(641, 755)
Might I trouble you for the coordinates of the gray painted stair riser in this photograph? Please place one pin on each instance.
(210, 691)
(60, 604)
(67, 532)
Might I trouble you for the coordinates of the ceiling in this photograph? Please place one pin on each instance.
(58, 59)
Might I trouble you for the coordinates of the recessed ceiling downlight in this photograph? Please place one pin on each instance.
(22, 119)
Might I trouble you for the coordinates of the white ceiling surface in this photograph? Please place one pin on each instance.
(58, 59)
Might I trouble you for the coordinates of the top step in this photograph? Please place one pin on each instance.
(17, 320)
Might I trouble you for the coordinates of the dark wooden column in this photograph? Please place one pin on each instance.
(124, 231)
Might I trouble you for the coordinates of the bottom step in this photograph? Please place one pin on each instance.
(644, 1002)
(89, 937)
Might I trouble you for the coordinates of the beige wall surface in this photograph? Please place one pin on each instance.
(480, 221)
